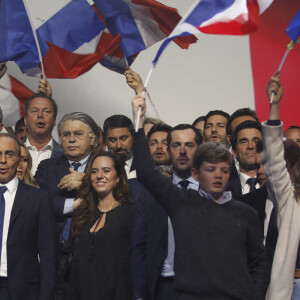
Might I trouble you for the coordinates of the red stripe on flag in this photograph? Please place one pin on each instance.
(21, 92)
(268, 46)
(60, 63)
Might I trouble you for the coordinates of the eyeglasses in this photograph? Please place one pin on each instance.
(78, 135)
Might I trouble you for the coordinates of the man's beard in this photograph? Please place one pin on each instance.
(124, 156)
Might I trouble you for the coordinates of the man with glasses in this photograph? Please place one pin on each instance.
(61, 177)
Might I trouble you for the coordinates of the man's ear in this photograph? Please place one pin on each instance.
(233, 153)
(228, 139)
(1, 126)
(195, 174)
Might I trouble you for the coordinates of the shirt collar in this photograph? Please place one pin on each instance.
(12, 185)
(243, 179)
(83, 161)
(49, 146)
(128, 162)
(227, 196)
(191, 179)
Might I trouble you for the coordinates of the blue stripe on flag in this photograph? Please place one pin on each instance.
(206, 9)
(120, 20)
(293, 30)
(72, 26)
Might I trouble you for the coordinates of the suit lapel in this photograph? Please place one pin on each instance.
(19, 202)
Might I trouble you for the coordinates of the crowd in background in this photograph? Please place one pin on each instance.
(203, 210)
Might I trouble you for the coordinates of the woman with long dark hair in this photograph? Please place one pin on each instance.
(101, 230)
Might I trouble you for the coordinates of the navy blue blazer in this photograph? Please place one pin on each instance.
(150, 243)
(31, 235)
(57, 149)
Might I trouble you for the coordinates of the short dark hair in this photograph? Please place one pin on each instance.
(217, 112)
(117, 121)
(159, 128)
(243, 125)
(40, 95)
(291, 127)
(241, 112)
(19, 124)
(212, 153)
(4, 134)
(202, 118)
(198, 139)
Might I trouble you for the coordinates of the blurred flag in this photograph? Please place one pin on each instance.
(293, 30)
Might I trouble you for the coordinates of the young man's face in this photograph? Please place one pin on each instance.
(213, 177)
(159, 148)
(182, 148)
(215, 130)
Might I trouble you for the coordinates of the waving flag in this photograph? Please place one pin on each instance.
(234, 17)
(63, 27)
(141, 23)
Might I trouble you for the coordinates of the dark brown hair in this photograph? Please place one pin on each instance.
(86, 210)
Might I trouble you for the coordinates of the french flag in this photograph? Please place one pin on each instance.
(71, 36)
(231, 17)
(140, 23)
(13, 95)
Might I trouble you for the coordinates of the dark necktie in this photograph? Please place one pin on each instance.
(67, 228)
(184, 183)
(76, 165)
(252, 182)
(3, 189)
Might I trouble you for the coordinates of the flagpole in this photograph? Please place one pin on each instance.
(35, 37)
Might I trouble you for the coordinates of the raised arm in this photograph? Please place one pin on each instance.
(278, 180)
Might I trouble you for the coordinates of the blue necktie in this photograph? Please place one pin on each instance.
(3, 189)
(184, 183)
(67, 228)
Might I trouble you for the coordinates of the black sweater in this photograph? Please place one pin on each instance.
(219, 250)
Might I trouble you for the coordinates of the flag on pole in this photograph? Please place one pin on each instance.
(230, 17)
(63, 28)
(141, 23)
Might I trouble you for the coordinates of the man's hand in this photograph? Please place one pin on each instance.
(76, 203)
(134, 80)
(274, 87)
(71, 181)
(45, 87)
(3, 69)
(139, 102)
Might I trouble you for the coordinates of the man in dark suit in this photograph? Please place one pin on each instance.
(153, 241)
(27, 233)
(61, 176)
(40, 119)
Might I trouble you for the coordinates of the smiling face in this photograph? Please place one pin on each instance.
(213, 177)
(159, 148)
(119, 140)
(215, 130)
(245, 151)
(182, 148)
(9, 159)
(103, 176)
(76, 139)
(40, 118)
(23, 164)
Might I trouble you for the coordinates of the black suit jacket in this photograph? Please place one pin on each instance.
(57, 149)
(150, 242)
(257, 199)
(31, 236)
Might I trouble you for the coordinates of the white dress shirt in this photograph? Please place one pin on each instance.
(38, 156)
(127, 167)
(9, 197)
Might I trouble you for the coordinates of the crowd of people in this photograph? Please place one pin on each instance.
(203, 210)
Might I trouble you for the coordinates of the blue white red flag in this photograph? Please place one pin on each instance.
(293, 30)
(231, 17)
(68, 31)
(141, 23)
